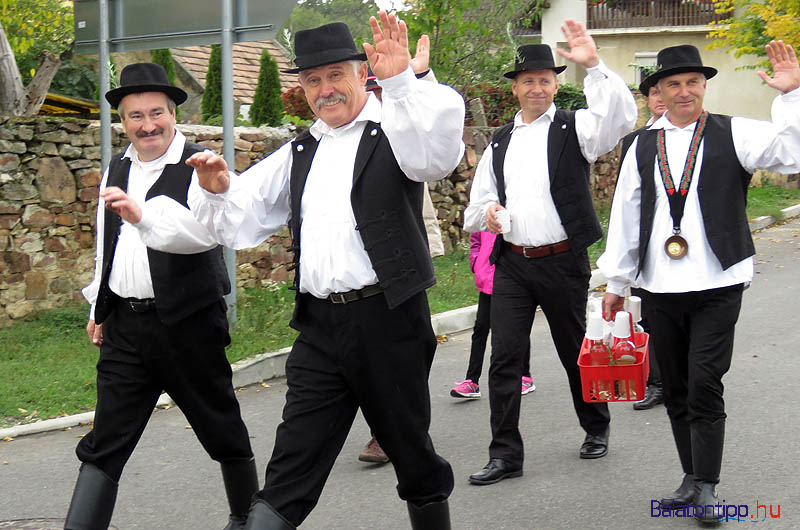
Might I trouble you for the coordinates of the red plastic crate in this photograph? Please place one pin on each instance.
(626, 382)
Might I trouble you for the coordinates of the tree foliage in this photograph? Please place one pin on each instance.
(164, 57)
(33, 26)
(754, 24)
(313, 13)
(471, 40)
(294, 101)
(267, 107)
(212, 95)
(500, 105)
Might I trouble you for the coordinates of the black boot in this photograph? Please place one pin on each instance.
(241, 482)
(92, 500)
(264, 517)
(708, 438)
(681, 496)
(431, 516)
(652, 397)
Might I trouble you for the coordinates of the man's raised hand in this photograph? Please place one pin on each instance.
(212, 171)
(785, 70)
(421, 61)
(120, 203)
(389, 55)
(582, 49)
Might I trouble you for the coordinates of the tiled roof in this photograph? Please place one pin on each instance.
(246, 64)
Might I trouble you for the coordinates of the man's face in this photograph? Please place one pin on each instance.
(335, 92)
(535, 90)
(148, 122)
(683, 96)
(655, 103)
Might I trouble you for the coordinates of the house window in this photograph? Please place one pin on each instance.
(645, 64)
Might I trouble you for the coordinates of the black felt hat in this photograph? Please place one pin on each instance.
(645, 86)
(328, 44)
(144, 77)
(678, 60)
(534, 57)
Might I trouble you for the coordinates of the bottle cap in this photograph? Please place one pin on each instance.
(634, 307)
(622, 325)
(594, 326)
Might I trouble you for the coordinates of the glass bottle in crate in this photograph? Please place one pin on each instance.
(599, 354)
(623, 352)
(634, 307)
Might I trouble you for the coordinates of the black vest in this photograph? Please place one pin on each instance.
(721, 187)
(388, 210)
(569, 181)
(182, 283)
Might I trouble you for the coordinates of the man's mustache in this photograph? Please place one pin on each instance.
(157, 132)
(333, 98)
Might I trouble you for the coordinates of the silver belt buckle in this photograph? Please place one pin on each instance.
(338, 298)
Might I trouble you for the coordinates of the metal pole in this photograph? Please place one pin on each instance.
(105, 108)
(227, 135)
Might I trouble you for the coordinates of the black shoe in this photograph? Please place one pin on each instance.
(707, 507)
(652, 397)
(681, 496)
(431, 516)
(595, 446)
(92, 501)
(496, 470)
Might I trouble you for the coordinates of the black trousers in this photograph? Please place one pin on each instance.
(654, 378)
(480, 333)
(693, 333)
(360, 354)
(140, 357)
(560, 285)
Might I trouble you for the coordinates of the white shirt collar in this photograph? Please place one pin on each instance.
(664, 123)
(370, 112)
(550, 114)
(171, 156)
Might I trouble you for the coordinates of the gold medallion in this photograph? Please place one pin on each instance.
(676, 247)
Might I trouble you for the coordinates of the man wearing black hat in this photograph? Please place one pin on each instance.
(679, 230)
(537, 170)
(352, 189)
(157, 316)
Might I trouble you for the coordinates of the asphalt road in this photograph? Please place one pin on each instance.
(170, 483)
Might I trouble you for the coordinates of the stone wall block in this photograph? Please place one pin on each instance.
(18, 192)
(241, 145)
(8, 161)
(88, 178)
(35, 286)
(214, 145)
(7, 146)
(62, 285)
(71, 126)
(55, 181)
(25, 133)
(242, 161)
(81, 164)
(17, 262)
(6, 134)
(37, 217)
(70, 151)
(252, 134)
(88, 194)
(59, 137)
(92, 153)
(7, 222)
(29, 243)
(83, 140)
(19, 309)
(66, 219)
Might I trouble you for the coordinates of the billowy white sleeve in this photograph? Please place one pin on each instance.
(255, 206)
(168, 226)
(771, 145)
(620, 260)
(611, 114)
(424, 123)
(90, 291)
(482, 195)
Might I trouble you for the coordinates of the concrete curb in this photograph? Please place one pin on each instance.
(271, 365)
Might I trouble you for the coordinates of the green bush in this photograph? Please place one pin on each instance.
(294, 101)
(267, 107)
(212, 95)
(164, 58)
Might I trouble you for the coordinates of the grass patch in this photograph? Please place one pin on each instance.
(47, 365)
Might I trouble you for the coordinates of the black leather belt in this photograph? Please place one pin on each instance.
(540, 252)
(357, 294)
(139, 305)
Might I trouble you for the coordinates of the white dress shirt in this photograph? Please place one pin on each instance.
(165, 225)
(423, 122)
(534, 219)
(758, 144)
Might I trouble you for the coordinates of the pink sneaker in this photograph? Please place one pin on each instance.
(465, 389)
(527, 385)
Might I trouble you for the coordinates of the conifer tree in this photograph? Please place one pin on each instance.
(212, 95)
(267, 107)
(164, 58)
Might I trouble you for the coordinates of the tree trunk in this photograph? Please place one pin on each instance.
(16, 100)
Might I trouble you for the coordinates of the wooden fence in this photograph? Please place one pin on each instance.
(652, 13)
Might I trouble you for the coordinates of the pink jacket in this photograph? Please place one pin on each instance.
(480, 247)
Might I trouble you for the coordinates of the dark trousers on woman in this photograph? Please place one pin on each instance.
(560, 285)
(360, 354)
(480, 333)
(693, 333)
(140, 357)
